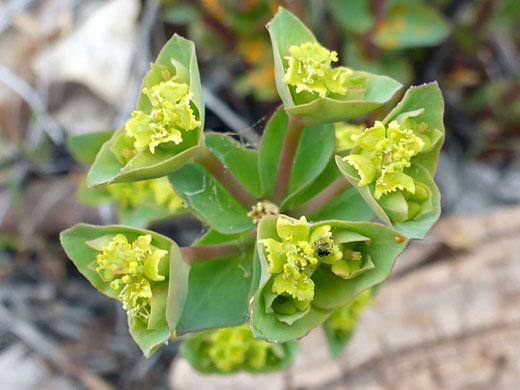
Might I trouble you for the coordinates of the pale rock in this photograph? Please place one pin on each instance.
(97, 53)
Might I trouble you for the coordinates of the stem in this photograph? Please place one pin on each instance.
(194, 254)
(219, 171)
(285, 165)
(335, 189)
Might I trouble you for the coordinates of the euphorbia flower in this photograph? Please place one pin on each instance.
(308, 65)
(230, 350)
(171, 115)
(310, 70)
(130, 267)
(383, 153)
(296, 254)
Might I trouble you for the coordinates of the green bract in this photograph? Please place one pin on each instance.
(230, 350)
(340, 327)
(308, 270)
(142, 269)
(165, 132)
(309, 88)
(393, 162)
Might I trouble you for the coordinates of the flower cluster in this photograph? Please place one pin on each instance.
(233, 349)
(383, 153)
(157, 191)
(130, 268)
(170, 115)
(293, 261)
(310, 70)
(344, 319)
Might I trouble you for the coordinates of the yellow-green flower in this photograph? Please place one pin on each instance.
(383, 153)
(293, 260)
(156, 191)
(308, 65)
(171, 114)
(234, 349)
(309, 69)
(345, 319)
(130, 267)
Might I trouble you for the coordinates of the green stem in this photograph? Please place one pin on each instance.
(193, 254)
(335, 189)
(219, 171)
(285, 165)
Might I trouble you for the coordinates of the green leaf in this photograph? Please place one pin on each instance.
(209, 201)
(353, 15)
(349, 206)
(286, 30)
(241, 162)
(85, 147)
(75, 240)
(178, 59)
(312, 155)
(270, 150)
(411, 25)
(332, 291)
(326, 177)
(218, 294)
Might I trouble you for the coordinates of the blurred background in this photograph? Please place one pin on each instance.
(449, 316)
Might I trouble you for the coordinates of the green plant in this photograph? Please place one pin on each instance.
(261, 262)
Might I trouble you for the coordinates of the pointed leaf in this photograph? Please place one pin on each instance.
(218, 294)
(241, 162)
(209, 201)
(312, 155)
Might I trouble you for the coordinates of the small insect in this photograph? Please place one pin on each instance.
(322, 249)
